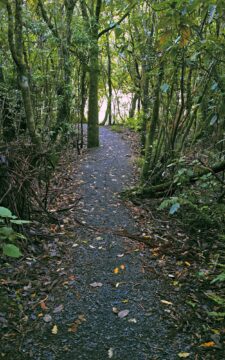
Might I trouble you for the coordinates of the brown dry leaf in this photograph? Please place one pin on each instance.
(53, 227)
(164, 39)
(72, 277)
(185, 35)
(43, 306)
(74, 327)
(55, 330)
(208, 344)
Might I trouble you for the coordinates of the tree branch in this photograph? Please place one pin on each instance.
(98, 10)
(118, 22)
(47, 19)
(11, 36)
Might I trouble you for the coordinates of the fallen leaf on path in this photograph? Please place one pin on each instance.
(166, 302)
(183, 355)
(115, 310)
(53, 227)
(47, 318)
(58, 309)
(122, 314)
(74, 327)
(171, 276)
(134, 321)
(146, 237)
(110, 353)
(96, 284)
(82, 318)
(208, 344)
(55, 330)
(43, 306)
(72, 277)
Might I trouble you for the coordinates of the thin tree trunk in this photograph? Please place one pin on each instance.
(93, 126)
(82, 106)
(109, 107)
(133, 105)
(152, 130)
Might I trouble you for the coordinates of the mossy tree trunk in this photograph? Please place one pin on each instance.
(152, 128)
(64, 39)
(93, 126)
(15, 38)
(109, 81)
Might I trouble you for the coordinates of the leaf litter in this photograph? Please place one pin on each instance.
(49, 270)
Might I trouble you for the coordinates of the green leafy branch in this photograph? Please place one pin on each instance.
(7, 233)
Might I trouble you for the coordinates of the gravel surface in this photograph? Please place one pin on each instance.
(111, 274)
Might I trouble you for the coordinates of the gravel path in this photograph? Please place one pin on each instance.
(89, 327)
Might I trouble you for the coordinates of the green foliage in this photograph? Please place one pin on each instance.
(11, 250)
(117, 128)
(219, 278)
(7, 233)
(216, 314)
(196, 214)
(174, 203)
(139, 161)
(135, 123)
(216, 298)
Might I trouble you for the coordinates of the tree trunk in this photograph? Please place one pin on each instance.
(152, 130)
(133, 105)
(17, 51)
(83, 102)
(109, 106)
(93, 126)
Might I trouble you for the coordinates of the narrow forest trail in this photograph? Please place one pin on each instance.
(123, 268)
